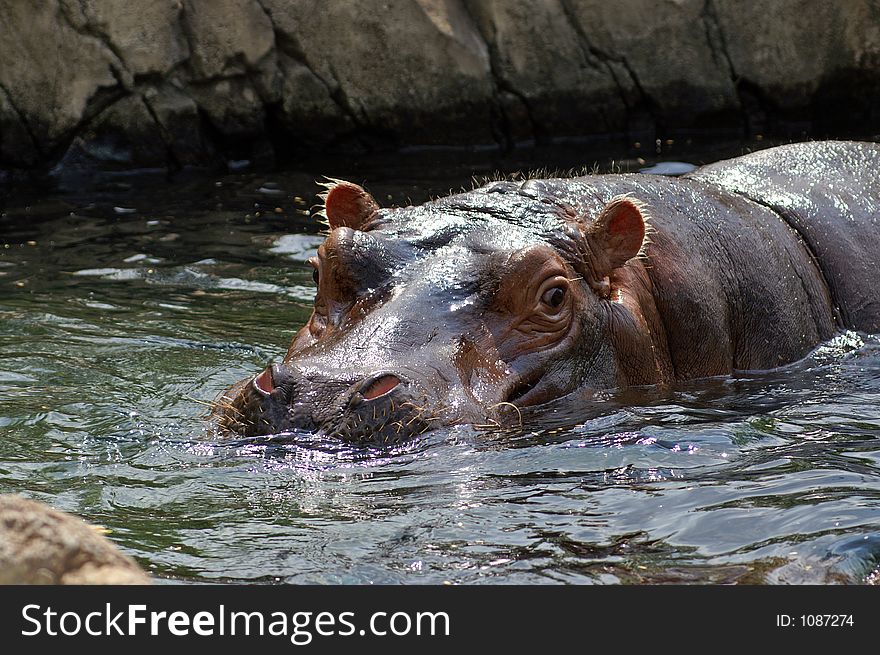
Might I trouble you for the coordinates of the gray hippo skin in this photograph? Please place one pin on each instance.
(517, 293)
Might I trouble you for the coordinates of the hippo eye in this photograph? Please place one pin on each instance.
(316, 275)
(554, 297)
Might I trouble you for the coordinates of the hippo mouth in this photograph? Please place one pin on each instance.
(525, 390)
(382, 408)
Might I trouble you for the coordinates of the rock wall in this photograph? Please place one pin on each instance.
(194, 82)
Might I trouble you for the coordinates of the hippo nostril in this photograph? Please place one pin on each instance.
(264, 381)
(379, 386)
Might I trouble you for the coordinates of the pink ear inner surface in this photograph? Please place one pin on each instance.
(348, 205)
(624, 228)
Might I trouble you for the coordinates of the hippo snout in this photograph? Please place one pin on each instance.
(381, 407)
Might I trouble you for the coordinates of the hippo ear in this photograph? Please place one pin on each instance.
(618, 234)
(348, 205)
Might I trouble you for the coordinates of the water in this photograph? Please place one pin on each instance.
(128, 303)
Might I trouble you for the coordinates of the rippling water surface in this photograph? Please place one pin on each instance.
(128, 304)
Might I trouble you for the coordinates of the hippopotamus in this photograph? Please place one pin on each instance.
(471, 307)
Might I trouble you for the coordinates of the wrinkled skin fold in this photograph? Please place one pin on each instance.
(468, 308)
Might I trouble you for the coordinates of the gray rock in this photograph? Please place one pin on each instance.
(662, 56)
(109, 139)
(180, 124)
(232, 105)
(52, 73)
(207, 80)
(416, 71)
(766, 43)
(155, 126)
(307, 111)
(671, 168)
(148, 39)
(228, 36)
(39, 545)
(791, 55)
(527, 43)
(16, 144)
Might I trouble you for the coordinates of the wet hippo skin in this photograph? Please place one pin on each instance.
(518, 293)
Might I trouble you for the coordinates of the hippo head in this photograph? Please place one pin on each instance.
(461, 310)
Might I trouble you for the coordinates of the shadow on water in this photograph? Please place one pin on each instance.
(125, 309)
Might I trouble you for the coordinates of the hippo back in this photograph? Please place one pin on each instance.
(829, 193)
